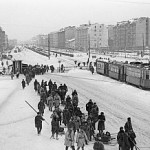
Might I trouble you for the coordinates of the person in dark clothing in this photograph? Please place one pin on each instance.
(89, 106)
(120, 137)
(35, 85)
(55, 125)
(74, 93)
(41, 107)
(128, 125)
(123, 140)
(23, 84)
(66, 116)
(101, 123)
(38, 122)
(132, 137)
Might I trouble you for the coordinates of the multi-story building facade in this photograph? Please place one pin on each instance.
(82, 38)
(98, 37)
(61, 39)
(70, 36)
(133, 34)
(55, 39)
(2, 40)
(143, 33)
(70, 44)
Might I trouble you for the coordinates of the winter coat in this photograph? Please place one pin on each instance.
(55, 125)
(41, 106)
(57, 100)
(23, 83)
(66, 116)
(89, 106)
(101, 123)
(128, 126)
(94, 113)
(50, 101)
(77, 122)
(35, 85)
(81, 139)
(38, 121)
(123, 141)
(69, 138)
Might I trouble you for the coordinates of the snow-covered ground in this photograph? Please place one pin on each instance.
(117, 100)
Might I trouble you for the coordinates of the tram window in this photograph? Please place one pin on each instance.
(147, 76)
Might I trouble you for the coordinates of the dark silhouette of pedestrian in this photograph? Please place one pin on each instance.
(38, 122)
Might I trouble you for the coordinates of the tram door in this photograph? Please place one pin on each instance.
(17, 66)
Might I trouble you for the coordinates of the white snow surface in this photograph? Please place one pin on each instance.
(116, 99)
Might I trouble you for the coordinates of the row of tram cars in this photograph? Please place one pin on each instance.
(134, 73)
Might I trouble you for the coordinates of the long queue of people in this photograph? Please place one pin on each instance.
(71, 116)
(77, 122)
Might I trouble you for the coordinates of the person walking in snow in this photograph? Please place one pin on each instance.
(23, 84)
(38, 122)
(81, 139)
(123, 140)
(69, 138)
(120, 136)
(50, 102)
(12, 75)
(55, 125)
(101, 123)
(41, 107)
(128, 125)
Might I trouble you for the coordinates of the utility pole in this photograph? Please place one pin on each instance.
(125, 42)
(142, 54)
(89, 46)
(49, 46)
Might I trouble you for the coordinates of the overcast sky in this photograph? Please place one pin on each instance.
(23, 19)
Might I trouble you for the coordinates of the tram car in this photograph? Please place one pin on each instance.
(138, 75)
(102, 67)
(117, 71)
(145, 78)
(135, 73)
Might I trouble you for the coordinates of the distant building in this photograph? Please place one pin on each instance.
(132, 35)
(61, 39)
(98, 36)
(70, 44)
(69, 36)
(81, 38)
(12, 43)
(55, 39)
(2, 40)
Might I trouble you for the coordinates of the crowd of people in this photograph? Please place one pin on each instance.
(81, 127)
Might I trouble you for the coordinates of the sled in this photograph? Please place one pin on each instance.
(106, 139)
(61, 131)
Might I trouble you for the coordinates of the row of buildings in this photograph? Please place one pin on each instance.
(132, 35)
(3, 40)
(6, 44)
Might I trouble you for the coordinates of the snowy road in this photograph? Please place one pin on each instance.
(117, 100)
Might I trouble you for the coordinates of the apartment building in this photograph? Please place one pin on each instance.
(133, 34)
(82, 38)
(61, 39)
(98, 36)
